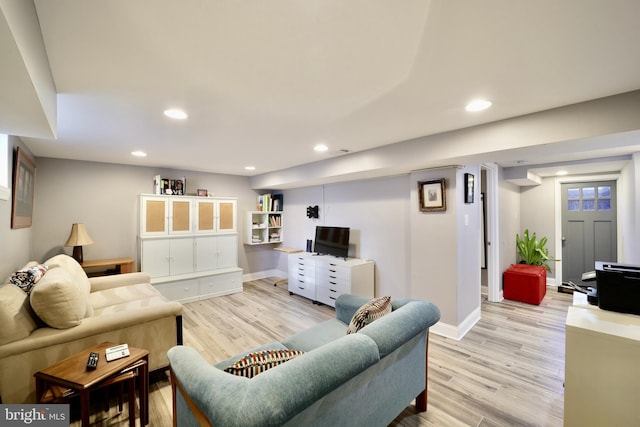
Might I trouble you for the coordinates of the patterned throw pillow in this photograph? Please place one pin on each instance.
(254, 363)
(27, 277)
(369, 312)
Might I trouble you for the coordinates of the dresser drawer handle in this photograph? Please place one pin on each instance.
(333, 283)
(333, 290)
(332, 298)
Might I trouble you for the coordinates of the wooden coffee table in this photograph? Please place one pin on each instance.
(70, 377)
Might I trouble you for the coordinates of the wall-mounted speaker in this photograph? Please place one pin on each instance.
(312, 211)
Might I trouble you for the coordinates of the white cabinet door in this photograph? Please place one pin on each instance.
(181, 256)
(227, 250)
(226, 215)
(156, 257)
(180, 218)
(154, 216)
(206, 253)
(204, 212)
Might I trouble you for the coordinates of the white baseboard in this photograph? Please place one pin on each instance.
(457, 332)
(263, 274)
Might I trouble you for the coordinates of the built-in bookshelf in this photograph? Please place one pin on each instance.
(263, 228)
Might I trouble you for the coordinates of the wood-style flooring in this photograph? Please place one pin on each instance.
(507, 371)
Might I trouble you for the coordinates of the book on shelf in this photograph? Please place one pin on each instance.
(269, 202)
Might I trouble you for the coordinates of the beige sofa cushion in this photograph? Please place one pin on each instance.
(77, 274)
(16, 317)
(59, 299)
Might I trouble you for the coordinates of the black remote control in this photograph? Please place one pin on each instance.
(92, 363)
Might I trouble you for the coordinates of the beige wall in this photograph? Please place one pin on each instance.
(105, 198)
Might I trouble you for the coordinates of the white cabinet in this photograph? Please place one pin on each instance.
(189, 246)
(169, 215)
(167, 257)
(602, 379)
(263, 228)
(302, 275)
(324, 278)
(214, 252)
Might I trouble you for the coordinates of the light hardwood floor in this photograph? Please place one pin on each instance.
(507, 371)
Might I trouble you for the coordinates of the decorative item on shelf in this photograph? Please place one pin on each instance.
(167, 186)
(432, 195)
(78, 238)
(469, 184)
(278, 202)
(312, 212)
(202, 192)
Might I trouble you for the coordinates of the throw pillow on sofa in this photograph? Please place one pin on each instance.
(16, 317)
(59, 300)
(254, 363)
(27, 277)
(77, 273)
(369, 312)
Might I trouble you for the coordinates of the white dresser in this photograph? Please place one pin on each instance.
(323, 278)
(602, 367)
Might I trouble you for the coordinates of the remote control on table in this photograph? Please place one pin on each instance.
(92, 363)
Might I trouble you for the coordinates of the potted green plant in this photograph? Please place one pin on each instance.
(527, 281)
(533, 251)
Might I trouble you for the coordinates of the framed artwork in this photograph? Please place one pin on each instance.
(469, 185)
(202, 192)
(24, 179)
(432, 195)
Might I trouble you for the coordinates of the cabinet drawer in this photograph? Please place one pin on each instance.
(303, 288)
(335, 272)
(220, 284)
(182, 290)
(328, 296)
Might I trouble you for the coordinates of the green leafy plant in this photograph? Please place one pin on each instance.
(533, 251)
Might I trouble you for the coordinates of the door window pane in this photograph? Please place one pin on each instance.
(573, 193)
(574, 205)
(589, 193)
(604, 204)
(588, 205)
(604, 192)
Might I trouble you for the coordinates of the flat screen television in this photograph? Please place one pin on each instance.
(332, 241)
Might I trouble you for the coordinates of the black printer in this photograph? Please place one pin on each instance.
(618, 287)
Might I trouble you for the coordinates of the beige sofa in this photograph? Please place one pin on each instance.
(67, 312)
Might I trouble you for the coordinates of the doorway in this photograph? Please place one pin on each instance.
(589, 226)
(489, 249)
(560, 274)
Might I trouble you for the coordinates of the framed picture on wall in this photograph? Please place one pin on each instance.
(24, 179)
(432, 195)
(469, 187)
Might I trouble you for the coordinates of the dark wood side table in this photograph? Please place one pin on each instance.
(70, 377)
(122, 265)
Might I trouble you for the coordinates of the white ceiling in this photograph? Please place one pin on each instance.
(264, 81)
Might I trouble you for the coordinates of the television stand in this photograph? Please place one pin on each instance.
(323, 278)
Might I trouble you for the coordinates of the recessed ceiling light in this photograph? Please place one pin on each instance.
(320, 148)
(478, 105)
(562, 173)
(139, 153)
(175, 113)
(249, 168)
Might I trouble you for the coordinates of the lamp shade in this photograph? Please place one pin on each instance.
(78, 236)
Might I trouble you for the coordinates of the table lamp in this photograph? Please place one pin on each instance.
(78, 238)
